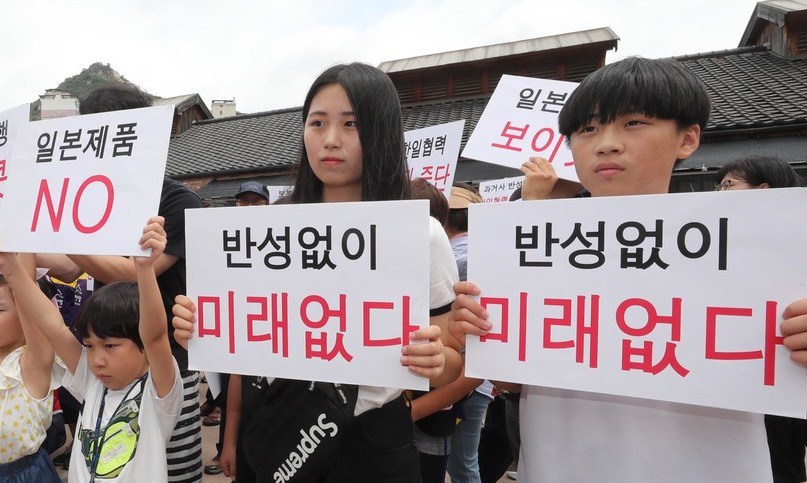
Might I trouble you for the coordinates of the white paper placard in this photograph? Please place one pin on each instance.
(86, 184)
(326, 291)
(672, 297)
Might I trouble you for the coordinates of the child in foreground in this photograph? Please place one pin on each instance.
(27, 378)
(124, 373)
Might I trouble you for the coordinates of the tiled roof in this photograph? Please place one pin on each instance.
(432, 113)
(253, 142)
(751, 88)
(271, 140)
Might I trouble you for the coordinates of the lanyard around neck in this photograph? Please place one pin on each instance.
(98, 440)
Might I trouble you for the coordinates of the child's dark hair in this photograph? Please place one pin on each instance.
(756, 170)
(438, 204)
(112, 311)
(378, 117)
(660, 88)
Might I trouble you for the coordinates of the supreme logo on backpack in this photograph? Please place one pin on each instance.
(295, 433)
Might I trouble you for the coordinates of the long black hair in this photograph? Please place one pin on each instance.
(378, 116)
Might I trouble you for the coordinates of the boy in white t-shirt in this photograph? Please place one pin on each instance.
(627, 125)
(124, 373)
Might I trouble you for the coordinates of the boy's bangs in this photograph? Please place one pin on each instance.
(663, 89)
(112, 311)
(606, 100)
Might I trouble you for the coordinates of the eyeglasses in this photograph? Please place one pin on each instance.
(727, 184)
(250, 202)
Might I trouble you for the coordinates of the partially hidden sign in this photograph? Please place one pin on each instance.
(432, 152)
(11, 121)
(521, 121)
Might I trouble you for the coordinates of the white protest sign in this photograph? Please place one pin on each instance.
(520, 121)
(671, 297)
(432, 152)
(499, 190)
(326, 292)
(86, 184)
(277, 192)
(11, 121)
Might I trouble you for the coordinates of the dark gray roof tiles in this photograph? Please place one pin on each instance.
(417, 116)
(253, 142)
(751, 87)
(271, 140)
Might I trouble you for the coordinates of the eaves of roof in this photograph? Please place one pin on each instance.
(596, 36)
(774, 11)
(182, 103)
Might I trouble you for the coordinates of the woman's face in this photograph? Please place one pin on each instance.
(732, 182)
(332, 143)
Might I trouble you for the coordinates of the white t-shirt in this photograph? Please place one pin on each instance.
(155, 421)
(442, 276)
(571, 436)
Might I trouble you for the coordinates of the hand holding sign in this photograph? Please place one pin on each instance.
(154, 239)
(539, 179)
(794, 328)
(467, 316)
(425, 359)
(184, 319)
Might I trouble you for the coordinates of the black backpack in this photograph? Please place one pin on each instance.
(294, 430)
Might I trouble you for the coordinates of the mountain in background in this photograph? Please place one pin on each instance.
(95, 76)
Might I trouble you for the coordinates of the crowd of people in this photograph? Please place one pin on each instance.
(123, 360)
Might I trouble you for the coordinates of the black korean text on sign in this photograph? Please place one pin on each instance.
(535, 244)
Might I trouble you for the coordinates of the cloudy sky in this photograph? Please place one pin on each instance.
(266, 53)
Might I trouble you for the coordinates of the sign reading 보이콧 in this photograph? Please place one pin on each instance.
(521, 121)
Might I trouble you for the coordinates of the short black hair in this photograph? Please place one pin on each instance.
(112, 311)
(756, 170)
(458, 219)
(660, 88)
(114, 98)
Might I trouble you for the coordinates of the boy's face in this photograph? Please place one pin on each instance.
(634, 154)
(115, 361)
